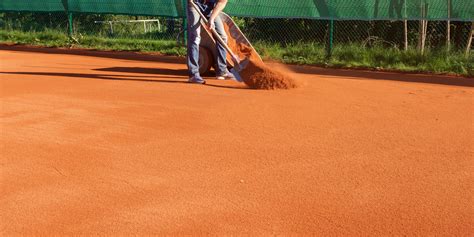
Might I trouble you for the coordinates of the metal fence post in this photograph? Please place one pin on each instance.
(330, 41)
(185, 27)
(469, 40)
(448, 27)
(71, 29)
(185, 22)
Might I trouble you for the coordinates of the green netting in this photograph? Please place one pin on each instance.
(32, 5)
(171, 8)
(355, 9)
(461, 10)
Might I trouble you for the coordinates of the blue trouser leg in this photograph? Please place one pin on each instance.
(221, 52)
(194, 39)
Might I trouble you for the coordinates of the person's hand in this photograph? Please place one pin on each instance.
(212, 23)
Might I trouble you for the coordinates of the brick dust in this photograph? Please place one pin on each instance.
(256, 74)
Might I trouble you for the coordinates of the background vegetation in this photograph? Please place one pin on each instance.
(357, 44)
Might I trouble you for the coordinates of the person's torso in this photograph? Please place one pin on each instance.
(206, 6)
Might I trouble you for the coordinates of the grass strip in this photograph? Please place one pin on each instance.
(438, 61)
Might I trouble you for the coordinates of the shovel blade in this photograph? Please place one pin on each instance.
(238, 67)
(236, 75)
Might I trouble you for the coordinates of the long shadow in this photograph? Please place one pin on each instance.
(342, 73)
(94, 76)
(116, 78)
(133, 56)
(160, 71)
(163, 71)
(390, 76)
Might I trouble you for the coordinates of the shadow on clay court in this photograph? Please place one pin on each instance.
(134, 78)
(390, 76)
(134, 56)
(338, 74)
(154, 71)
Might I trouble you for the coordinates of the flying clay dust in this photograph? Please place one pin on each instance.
(257, 75)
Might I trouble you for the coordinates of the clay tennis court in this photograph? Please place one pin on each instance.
(96, 143)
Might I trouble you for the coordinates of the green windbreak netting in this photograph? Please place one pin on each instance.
(355, 9)
(326, 9)
(172, 8)
(32, 5)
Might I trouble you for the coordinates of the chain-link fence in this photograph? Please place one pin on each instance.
(308, 41)
(34, 22)
(122, 26)
(396, 34)
(100, 31)
(97, 25)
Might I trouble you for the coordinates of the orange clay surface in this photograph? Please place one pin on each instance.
(97, 143)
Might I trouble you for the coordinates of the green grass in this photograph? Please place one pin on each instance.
(47, 38)
(377, 57)
(343, 56)
(52, 38)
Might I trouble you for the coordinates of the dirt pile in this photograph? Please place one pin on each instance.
(257, 75)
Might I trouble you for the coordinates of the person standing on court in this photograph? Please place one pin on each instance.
(211, 9)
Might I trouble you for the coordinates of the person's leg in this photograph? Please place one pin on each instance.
(194, 39)
(221, 52)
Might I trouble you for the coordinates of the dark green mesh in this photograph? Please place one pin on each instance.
(460, 10)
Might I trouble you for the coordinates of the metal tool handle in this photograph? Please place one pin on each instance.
(216, 35)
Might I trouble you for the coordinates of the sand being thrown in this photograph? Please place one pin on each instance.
(257, 75)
